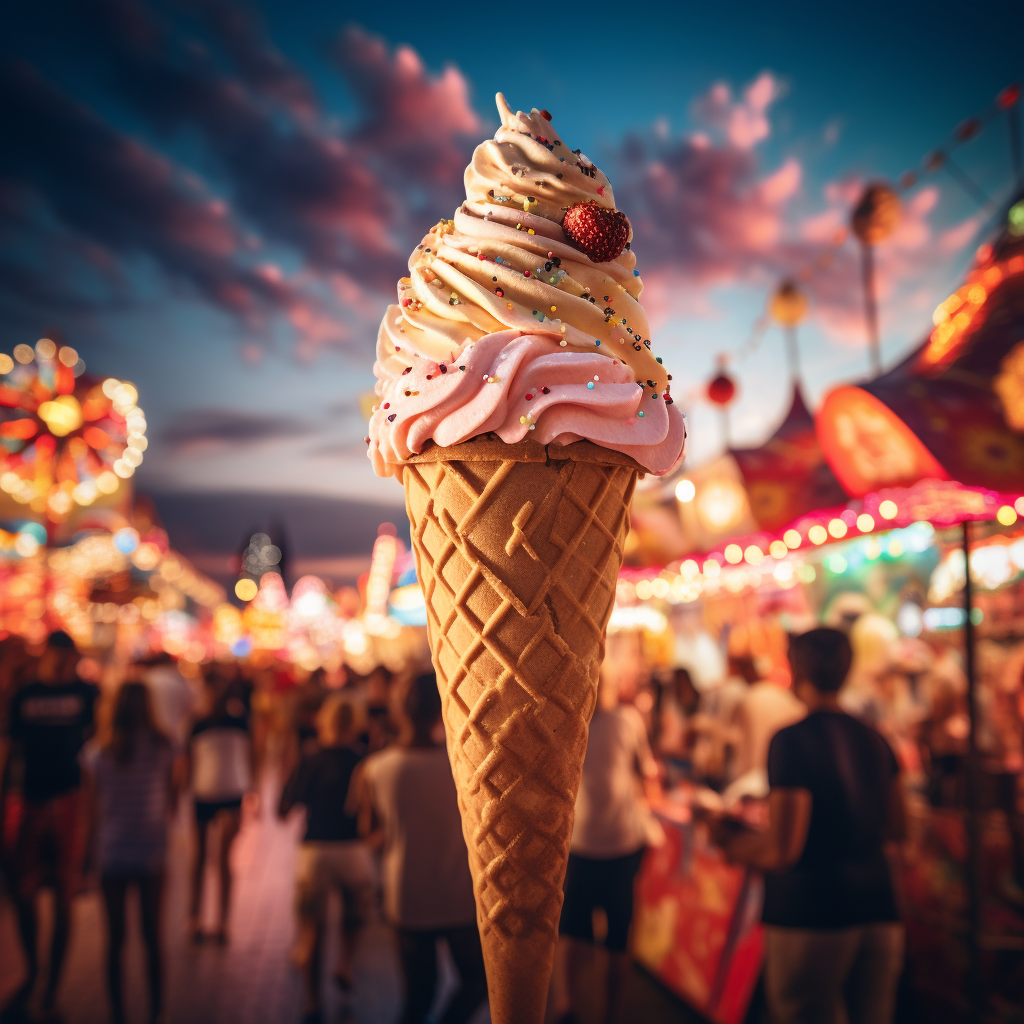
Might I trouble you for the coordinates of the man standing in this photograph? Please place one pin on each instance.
(833, 938)
(50, 720)
(408, 805)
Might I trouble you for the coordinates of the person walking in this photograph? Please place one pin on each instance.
(221, 772)
(833, 938)
(332, 855)
(609, 835)
(407, 804)
(50, 720)
(129, 783)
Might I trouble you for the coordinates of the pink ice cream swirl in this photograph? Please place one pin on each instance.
(474, 346)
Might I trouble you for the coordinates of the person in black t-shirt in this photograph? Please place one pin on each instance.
(833, 938)
(50, 720)
(332, 855)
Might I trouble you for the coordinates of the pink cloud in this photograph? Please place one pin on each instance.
(744, 122)
(955, 238)
(410, 117)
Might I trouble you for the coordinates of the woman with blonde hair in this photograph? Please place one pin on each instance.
(332, 856)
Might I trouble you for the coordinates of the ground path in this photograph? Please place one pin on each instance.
(251, 981)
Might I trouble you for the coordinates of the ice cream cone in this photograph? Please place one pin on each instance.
(518, 548)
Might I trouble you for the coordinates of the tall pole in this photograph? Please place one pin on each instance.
(1009, 100)
(867, 269)
(976, 986)
(793, 352)
(875, 217)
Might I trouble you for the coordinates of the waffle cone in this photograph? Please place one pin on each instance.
(518, 549)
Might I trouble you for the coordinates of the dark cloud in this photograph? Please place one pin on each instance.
(119, 197)
(295, 182)
(410, 120)
(236, 427)
(259, 64)
(350, 206)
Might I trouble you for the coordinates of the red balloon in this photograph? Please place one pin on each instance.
(722, 390)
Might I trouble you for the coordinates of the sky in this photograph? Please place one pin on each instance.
(214, 200)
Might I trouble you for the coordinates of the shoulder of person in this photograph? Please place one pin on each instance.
(789, 734)
(632, 718)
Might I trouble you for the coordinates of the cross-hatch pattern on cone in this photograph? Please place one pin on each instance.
(518, 562)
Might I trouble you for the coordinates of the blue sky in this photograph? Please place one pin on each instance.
(213, 200)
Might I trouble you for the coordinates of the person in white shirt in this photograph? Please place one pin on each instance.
(608, 841)
(221, 773)
(408, 805)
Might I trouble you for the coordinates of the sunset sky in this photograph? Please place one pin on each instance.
(214, 200)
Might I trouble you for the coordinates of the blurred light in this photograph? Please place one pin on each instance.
(689, 569)
(68, 356)
(36, 530)
(1018, 506)
(865, 523)
(106, 482)
(246, 589)
(943, 618)
(685, 490)
(817, 534)
(1006, 516)
(660, 588)
(61, 416)
(110, 385)
(895, 547)
(6, 363)
(792, 538)
(888, 509)
(910, 620)
(60, 503)
(778, 549)
(807, 574)
(643, 589)
(754, 555)
(721, 505)
(26, 545)
(45, 348)
(872, 549)
(243, 645)
(24, 353)
(712, 568)
(123, 469)
(631, 619)
(132, 456)
(146, 556)
(837, 564)
(783, 573)
(837, 528)
(126, 540)
(733, 554)
(9, 482)
(138, 441)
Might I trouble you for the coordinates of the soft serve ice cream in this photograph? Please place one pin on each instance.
(520, 316)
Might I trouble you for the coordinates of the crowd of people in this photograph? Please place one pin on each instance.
(92, 776)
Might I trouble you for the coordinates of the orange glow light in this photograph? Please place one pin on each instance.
(868, 446)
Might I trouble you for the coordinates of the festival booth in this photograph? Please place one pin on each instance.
(862, 516)
(381, 623)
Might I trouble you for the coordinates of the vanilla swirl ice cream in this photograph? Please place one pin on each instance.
(505, 324)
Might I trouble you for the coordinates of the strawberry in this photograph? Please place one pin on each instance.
(597, 232)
